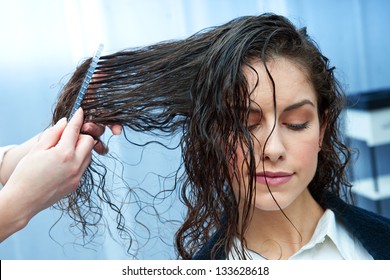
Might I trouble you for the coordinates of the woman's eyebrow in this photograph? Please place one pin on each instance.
(298, 105)
(288, 108)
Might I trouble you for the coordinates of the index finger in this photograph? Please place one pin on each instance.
(72, 130)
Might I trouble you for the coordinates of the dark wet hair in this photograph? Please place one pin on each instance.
(196, 88)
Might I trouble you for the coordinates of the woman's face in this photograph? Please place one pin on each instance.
(291, 152)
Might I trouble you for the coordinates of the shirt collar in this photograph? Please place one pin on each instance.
(326, 228)
(328, 234)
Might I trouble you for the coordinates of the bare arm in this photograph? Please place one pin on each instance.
(42, 171)
(13, 156)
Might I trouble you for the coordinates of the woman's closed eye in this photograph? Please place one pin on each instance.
(252, 127)
(297, 126)
(254, 120)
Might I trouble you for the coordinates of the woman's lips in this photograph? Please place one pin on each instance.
(273, 178)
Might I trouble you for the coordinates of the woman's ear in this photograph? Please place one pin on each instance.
(323, 126)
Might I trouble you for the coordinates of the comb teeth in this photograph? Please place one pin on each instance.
(86, 81)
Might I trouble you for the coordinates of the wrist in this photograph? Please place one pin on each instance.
(12, 215)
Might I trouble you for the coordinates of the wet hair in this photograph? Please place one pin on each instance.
(196, 88)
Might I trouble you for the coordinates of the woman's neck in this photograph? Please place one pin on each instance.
(277, 234)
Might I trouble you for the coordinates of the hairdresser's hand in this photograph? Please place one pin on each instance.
(13, 156)
(48, 172)
(97, 130)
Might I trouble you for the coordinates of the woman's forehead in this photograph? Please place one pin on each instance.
(287, 79)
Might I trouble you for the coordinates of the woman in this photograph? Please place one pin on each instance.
(265, 168)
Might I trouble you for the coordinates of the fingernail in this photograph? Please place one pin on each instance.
(61, 120)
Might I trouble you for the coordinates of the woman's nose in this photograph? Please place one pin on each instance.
(273, 148)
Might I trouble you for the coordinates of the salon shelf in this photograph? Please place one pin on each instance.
(373, 127)
(373, 188)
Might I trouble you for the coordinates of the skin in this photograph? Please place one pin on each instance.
(44, 169)
(290, 159)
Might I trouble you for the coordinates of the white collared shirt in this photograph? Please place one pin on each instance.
(331, 241)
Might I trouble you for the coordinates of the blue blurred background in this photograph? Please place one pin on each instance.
(42, 42)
